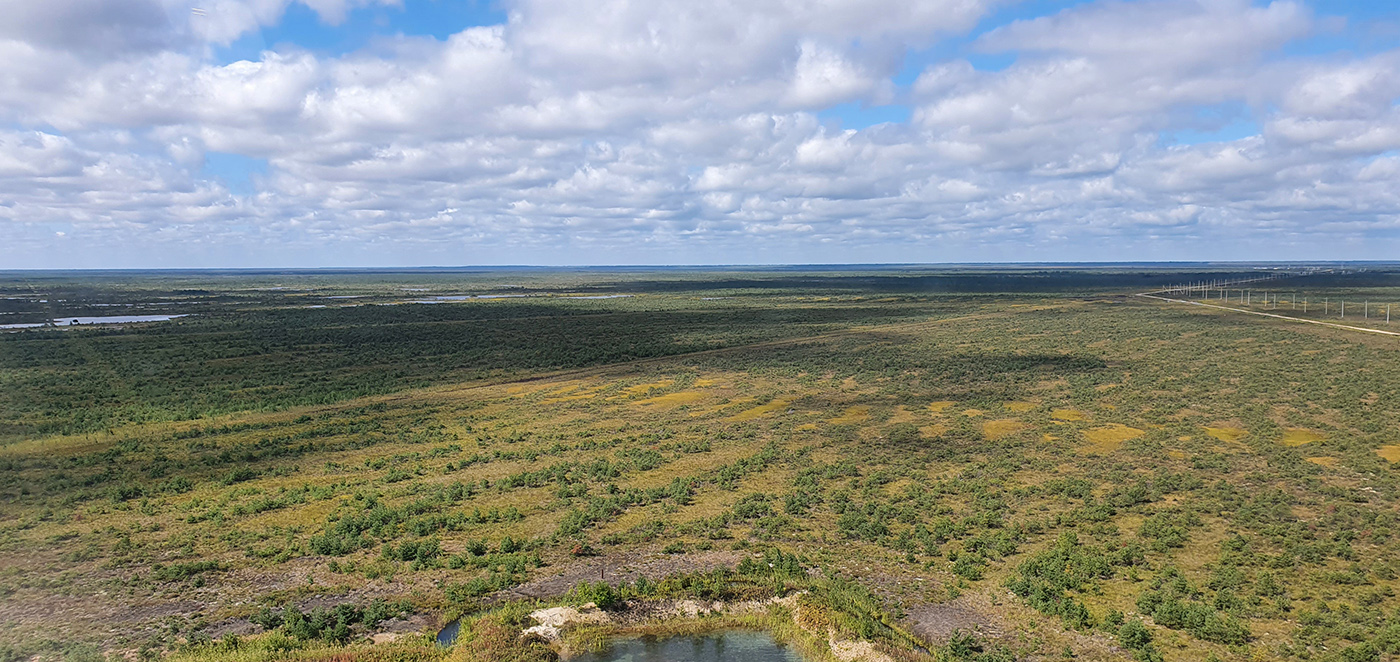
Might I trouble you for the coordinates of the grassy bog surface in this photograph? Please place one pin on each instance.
(1036, 456)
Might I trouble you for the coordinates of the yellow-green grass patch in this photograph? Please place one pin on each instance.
(1001, 427)
(1391, 453)
(671, 399)
(933, 430)
(851, 416)
(576, 394)
(901, 414)
(762, 410)
(1019, 406)
(1227, 433)
(1067, 415)
(1108, 438)
(732, 404)
(642, 389)
(1300, 436)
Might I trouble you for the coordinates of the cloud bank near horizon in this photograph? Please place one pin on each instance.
(148, 133)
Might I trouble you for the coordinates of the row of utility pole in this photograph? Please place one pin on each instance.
(1226, 292)
(1271, 302)
(1206, 287)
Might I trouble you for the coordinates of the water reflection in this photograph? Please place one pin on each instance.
(734, 646)
(79, 321)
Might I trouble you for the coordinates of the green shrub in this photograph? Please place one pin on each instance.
(602, 594)
(1045, 580)
(1134, 635)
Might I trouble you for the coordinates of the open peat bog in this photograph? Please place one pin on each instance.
(882, 465)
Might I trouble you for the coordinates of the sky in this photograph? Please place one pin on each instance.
(306, 133)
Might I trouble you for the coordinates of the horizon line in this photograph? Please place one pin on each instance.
(700, 266)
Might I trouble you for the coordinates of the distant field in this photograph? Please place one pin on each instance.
(1039, 452)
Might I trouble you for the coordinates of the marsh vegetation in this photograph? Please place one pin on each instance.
(942, 463)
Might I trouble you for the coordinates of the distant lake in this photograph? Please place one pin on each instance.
(467, 297)
(730, 646)
(80, 321)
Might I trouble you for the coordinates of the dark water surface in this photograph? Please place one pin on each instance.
(448, 634)
(734, 646)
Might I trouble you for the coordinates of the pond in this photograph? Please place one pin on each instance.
(447, 635)
(78, 321)
(730, 646)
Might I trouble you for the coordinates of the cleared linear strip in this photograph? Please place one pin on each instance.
(1282, 317)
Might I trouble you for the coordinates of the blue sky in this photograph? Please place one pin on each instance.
(300, 26)
(387, 132)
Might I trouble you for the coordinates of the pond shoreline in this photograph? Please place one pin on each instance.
(716, 646)
(575, 633)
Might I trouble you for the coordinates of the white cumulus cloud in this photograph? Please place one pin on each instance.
(624, 131)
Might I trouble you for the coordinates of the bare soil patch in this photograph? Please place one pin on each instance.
(936, 623)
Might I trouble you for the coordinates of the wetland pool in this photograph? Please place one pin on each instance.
(80, 321)
(726, 646)
(721, 646)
